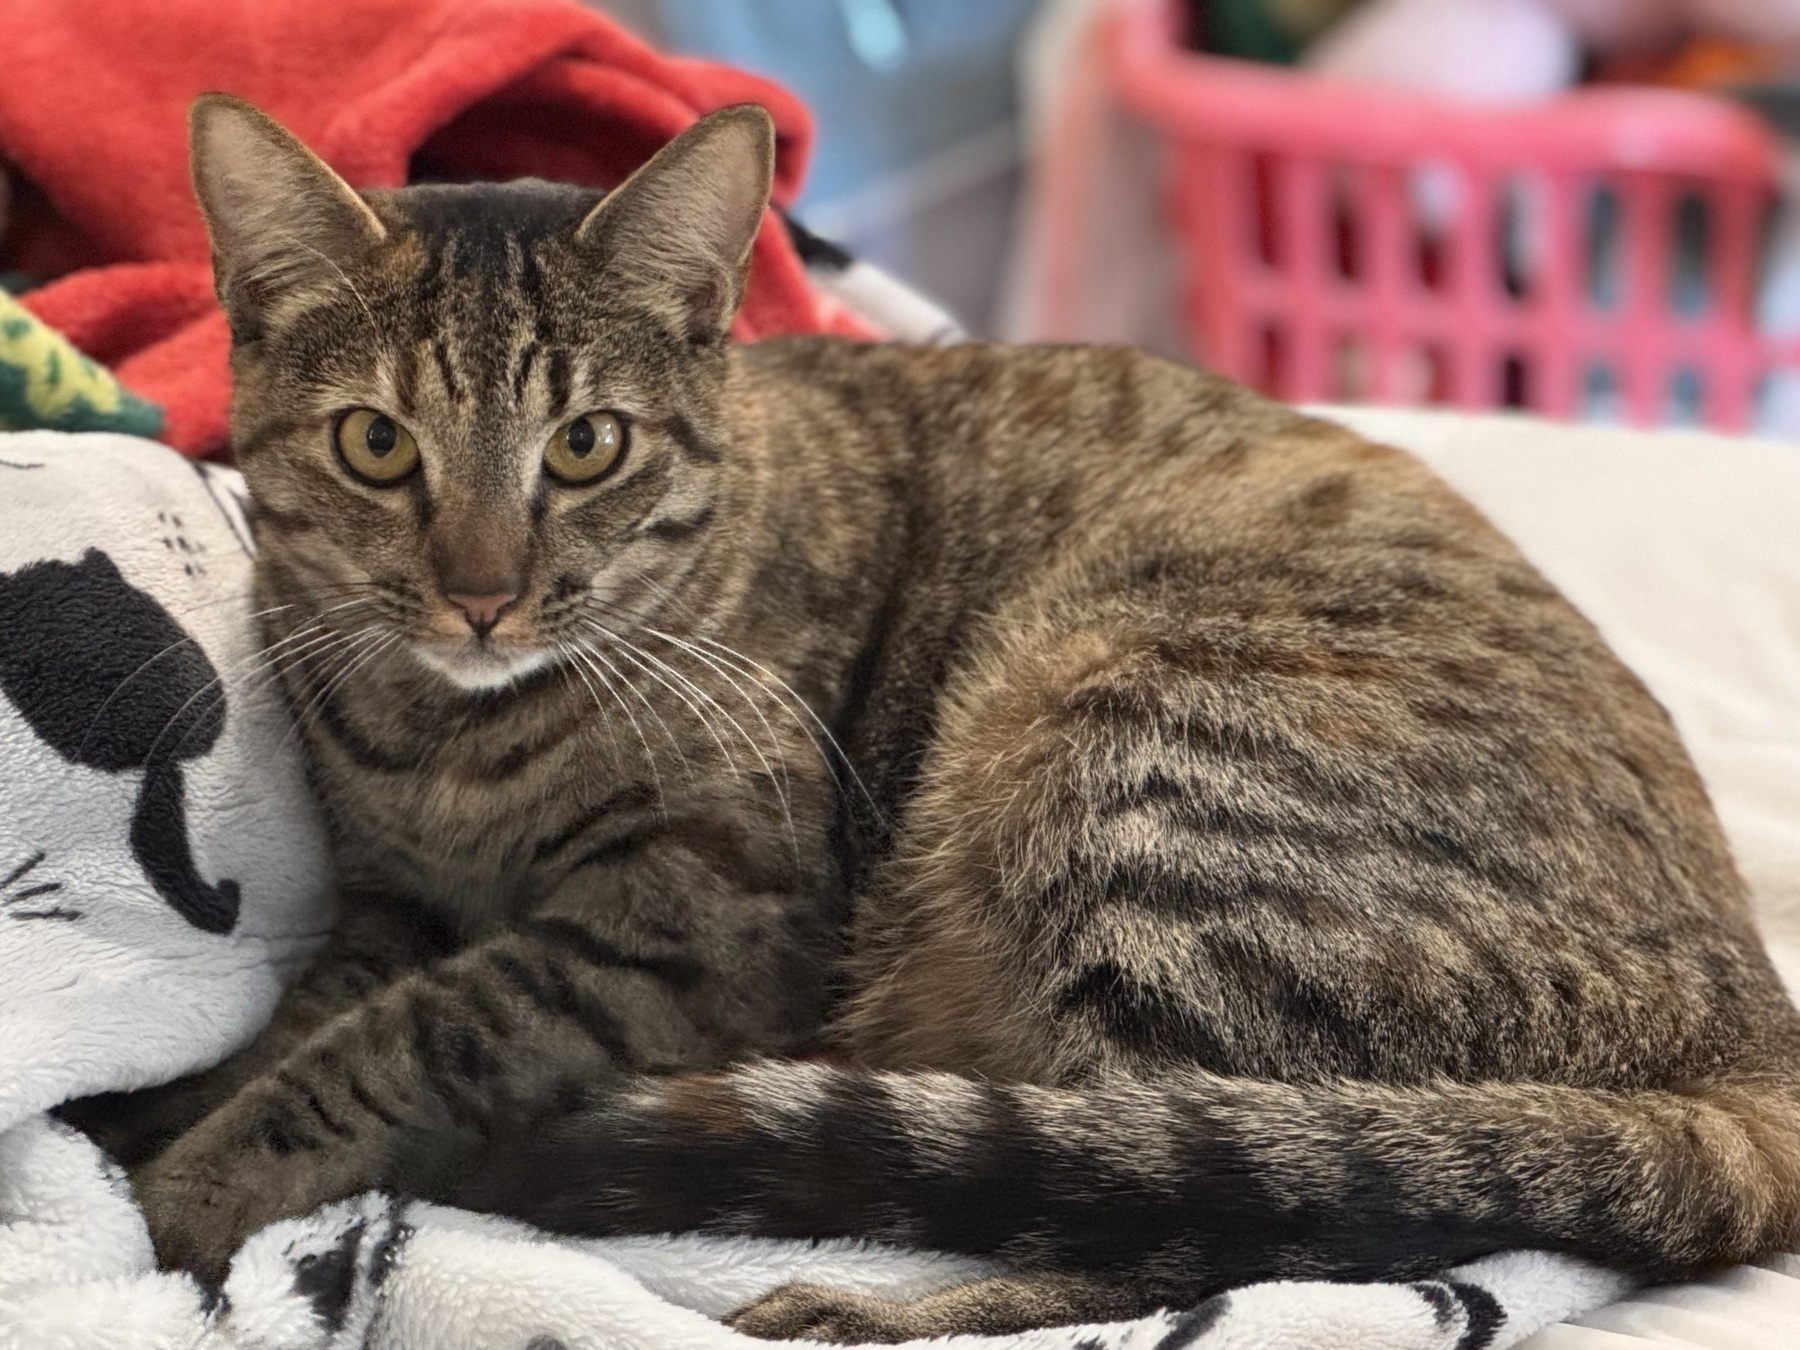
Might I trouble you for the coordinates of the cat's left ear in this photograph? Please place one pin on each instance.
(679, 230)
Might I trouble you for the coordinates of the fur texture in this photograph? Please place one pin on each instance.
(1209, 849)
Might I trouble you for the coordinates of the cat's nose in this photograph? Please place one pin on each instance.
(482, 611)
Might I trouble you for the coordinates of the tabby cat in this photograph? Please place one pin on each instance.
(1040, 802)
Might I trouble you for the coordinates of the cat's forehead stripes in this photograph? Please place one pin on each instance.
(406, 381)
(482, 299)
(522, 369)
(474, 233)
(556, 375)
(440, 354)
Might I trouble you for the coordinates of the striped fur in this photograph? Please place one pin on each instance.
(1210, 851)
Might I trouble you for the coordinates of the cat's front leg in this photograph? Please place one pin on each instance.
(493, 1034)
(133, 1127)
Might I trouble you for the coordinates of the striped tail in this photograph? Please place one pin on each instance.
(1216, 1181)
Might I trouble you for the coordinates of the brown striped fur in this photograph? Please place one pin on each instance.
(1210, 850)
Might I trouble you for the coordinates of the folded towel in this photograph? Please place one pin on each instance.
(93, 112)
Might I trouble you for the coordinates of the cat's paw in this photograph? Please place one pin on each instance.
(222, 1181)
(813, 1312)
(196, 1216)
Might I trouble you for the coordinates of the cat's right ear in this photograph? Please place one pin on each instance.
(282, 223)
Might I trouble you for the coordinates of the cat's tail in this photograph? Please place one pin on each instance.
(1231, 1179)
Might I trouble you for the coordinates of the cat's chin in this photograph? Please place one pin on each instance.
(480, 668)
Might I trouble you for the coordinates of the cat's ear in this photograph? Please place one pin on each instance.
(679, 230)
(281, 221)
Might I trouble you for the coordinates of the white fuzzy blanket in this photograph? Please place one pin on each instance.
(371, 1274)
(106, 981)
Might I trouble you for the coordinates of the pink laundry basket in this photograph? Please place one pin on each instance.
(1594, 253)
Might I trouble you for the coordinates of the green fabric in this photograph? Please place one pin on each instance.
(45, 382)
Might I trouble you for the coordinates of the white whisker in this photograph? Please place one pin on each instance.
(792, 701)
(641, 659)
(585, 654)
(356, 654)
(687, 769)
(249, 668)
(778, 783)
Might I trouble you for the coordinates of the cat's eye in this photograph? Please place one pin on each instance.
(375, 447)
(585, 448)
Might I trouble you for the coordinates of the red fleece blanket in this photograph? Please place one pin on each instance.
(93, 116)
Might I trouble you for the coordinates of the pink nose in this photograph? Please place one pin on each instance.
(483, 611)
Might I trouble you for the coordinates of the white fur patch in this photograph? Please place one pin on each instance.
(472, 667)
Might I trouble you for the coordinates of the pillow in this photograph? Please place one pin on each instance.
(161, 866)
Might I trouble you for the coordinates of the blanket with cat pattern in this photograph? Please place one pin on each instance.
(161, 873)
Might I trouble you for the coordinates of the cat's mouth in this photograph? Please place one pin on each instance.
(471, 663)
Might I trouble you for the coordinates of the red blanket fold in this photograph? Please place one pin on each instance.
(93, 112)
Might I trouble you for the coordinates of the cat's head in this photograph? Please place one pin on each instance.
(480, 419)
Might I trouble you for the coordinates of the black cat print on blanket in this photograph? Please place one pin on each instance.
(162, 869)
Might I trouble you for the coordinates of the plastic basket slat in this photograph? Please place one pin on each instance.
(1292, 322)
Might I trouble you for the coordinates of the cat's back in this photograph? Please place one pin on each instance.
(1107, 475)
(1112, 434)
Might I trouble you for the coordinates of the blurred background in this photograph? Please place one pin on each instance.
(919, 160)
(1572, 206)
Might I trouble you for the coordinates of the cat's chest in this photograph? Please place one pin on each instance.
(473, 821)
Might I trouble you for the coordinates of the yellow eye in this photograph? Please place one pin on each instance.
(582, 450)
(375, 447)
